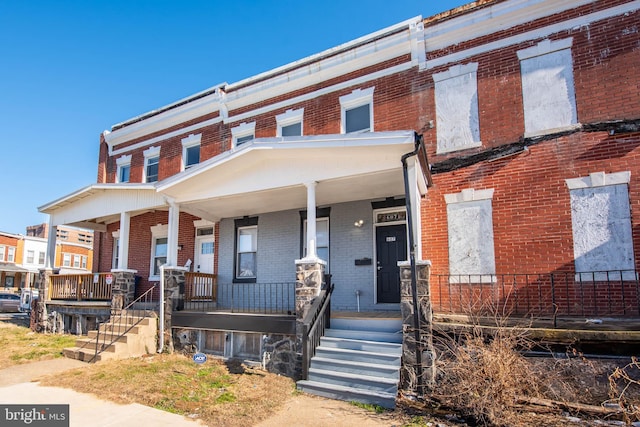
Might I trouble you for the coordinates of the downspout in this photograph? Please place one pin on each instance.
(161, 346)
(412, 260)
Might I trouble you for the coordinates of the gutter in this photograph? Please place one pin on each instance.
(412, 260)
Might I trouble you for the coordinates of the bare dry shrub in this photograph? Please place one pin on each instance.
(482, 376)
(624, 389)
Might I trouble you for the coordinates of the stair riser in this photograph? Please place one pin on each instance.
(108, 337)
(381, 371)
(353, 382)
(355, 356)
(395, 350)
(91, 346)
(349, 397)
(386, 337)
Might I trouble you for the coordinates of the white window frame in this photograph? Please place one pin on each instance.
(122, 162)
(31, 256)
(66, 260)
(483, 253)
(236, 273)
(150, 153)
(76, 261)
(42, 257)
(355, 99)
(3, 250)
(116, 249)
(159, 231)
(187, 143)
(11, 254)
(83, 262)
(595, 238)
(457, 116)
(541, 106)
(241, 131)
(288, 118)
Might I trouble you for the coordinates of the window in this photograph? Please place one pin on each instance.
(243, 133)
(322, 239)
(214, 342)
(247, 345)
(456, 92)
(116, 249)
(76, 261)
(290, 123)
(11, 254)
(548, 65)
(601, 224)
(191, 150)
(41, 258)
(470, 226)
(84, 262)
(357, 111)
(66, 260)
(2, 251)
(30, 257)
(124, 168)
(151, 164)
(246, 249)
(159, 246)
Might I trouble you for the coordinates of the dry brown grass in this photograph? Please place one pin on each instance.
(21, 345)
(211, 392)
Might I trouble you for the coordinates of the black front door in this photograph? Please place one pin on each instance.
(391, 247)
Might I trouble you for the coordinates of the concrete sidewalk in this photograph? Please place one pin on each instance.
(17, 387)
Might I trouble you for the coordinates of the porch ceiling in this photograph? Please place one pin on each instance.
(270, 174)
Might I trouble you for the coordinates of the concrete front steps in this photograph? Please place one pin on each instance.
(136, 341)
(356, 366)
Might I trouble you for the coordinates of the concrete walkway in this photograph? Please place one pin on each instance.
(18, 386)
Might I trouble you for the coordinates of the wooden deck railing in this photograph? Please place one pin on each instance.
(200, 287)
(80, 287)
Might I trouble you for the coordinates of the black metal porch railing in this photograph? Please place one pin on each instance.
(258, 298)
(314, 325)
(597, 293)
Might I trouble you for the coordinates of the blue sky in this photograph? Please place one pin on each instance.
(71, 69)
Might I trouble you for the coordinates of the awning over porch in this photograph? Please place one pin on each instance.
(271, 174)
(93, 206)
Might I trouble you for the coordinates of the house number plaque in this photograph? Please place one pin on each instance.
(391, 216)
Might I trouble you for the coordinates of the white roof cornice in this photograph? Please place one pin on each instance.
(365, 51)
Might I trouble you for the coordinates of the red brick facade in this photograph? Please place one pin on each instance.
(531, 209)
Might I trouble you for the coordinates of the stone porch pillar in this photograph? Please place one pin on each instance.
(309, 276)
(174, 285)
(38, 319)
(410, 347)
(123, 288)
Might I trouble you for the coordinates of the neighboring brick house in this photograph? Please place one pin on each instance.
(22, 256)
(529, 112)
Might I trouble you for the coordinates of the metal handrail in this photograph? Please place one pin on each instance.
(314, 325)
(128, 317)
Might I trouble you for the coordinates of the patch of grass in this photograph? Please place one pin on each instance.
(21, 345)
(176, 384)
(369, 407)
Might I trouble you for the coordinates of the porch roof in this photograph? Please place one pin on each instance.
(93, 206)
(269, 174)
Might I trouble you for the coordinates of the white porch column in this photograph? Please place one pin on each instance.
(51, 246)
(414, 196)
(123, 241)
(172, 234)
(311, 220)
